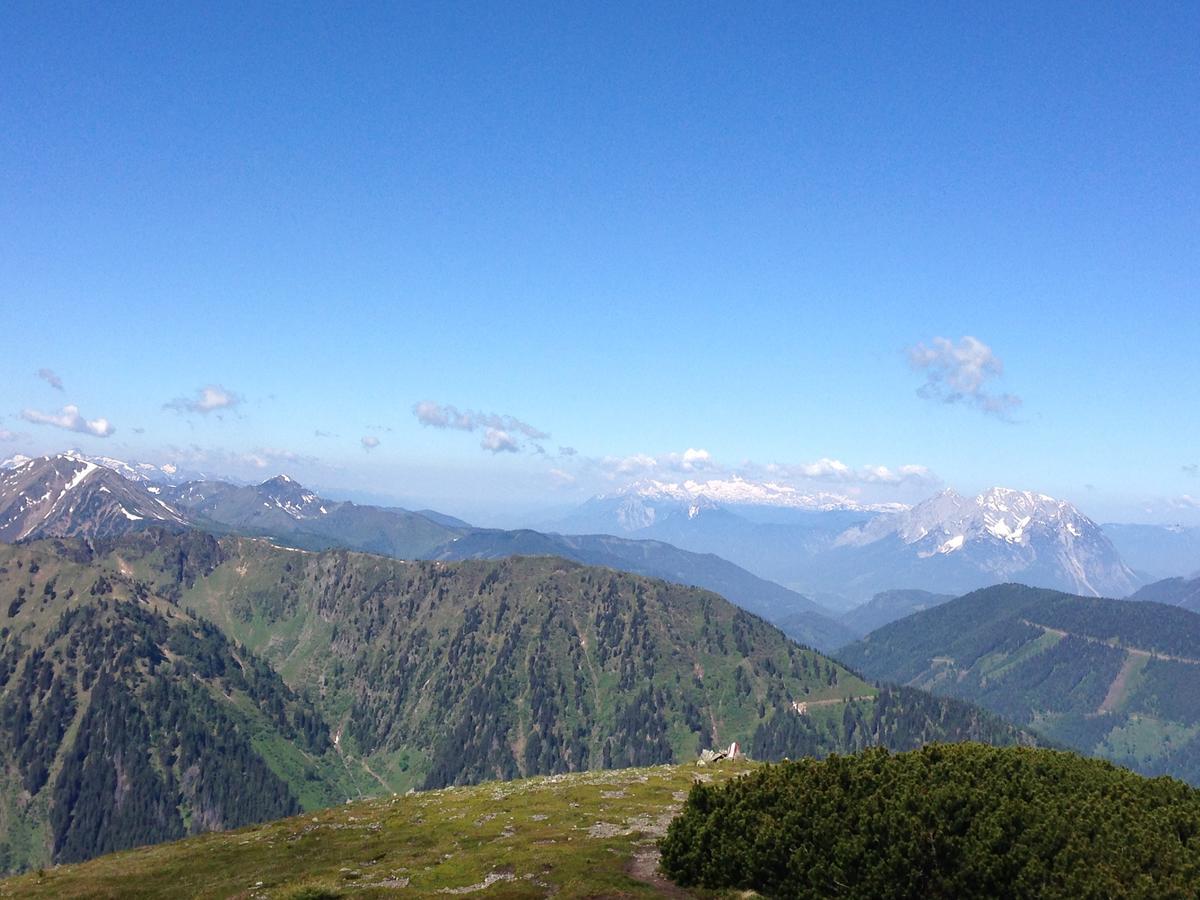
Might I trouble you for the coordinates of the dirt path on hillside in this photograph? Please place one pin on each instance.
(1136, 651)
(1116, 690)
(643, 867)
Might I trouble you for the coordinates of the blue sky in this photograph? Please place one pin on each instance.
(637, 229)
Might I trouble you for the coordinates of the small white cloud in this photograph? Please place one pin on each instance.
(370, 442)
(70, 419)
(210, 398)
(48, 376)
(6, 435)
(824, 468)
(961, 373)
(498, 441)
(561, 478)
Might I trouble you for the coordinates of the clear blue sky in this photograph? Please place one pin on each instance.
(639, 228)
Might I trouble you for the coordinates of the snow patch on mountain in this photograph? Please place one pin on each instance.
(740, 491)
(1007, 533)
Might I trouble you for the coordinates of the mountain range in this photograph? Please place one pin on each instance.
(162, 683)
(287, 512)
(842, 553)
(791, 558)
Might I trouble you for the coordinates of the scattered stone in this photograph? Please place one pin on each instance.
(488, 880)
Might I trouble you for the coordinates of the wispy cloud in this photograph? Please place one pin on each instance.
(1191, 469)
(962, 373)
(49, 376)
(210, 398)
(561, 478)
(264, 457)
(6, 435)
(370, 442)
(501, 433)
(70, 419)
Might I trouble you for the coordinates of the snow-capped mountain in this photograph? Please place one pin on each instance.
(649, 503)
(1000, 535)
(66, 496)
(737, 491)
(164, 473)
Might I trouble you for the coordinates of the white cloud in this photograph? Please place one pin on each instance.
(6, 435)
(642, 464)
(48, 376)
(70, 419)
(501, 433)
(834, 470)
(370, 442)
(961, 373)
(210, 398)
(499, 441)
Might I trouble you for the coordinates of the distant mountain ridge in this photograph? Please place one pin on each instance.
(285, 511)
(1184, 592)
(842, 553)
(1158, 551)
(797, 616)
(1112, 678)
(888, 606)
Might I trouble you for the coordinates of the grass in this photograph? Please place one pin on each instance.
(588, 834)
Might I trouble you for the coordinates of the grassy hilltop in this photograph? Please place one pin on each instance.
(590, 834)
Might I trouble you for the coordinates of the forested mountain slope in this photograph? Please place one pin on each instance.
(125, 721)
(799, 617)
(1113, 678)
(439, 673)
(141, 699)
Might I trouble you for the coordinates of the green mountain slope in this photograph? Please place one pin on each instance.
(797, 616)
(163, 683)
(123, 720)
(1113, 678)
(437, 673)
